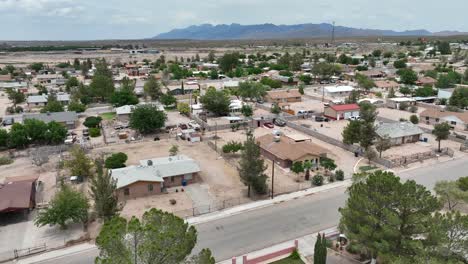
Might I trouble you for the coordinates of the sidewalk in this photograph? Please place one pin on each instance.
(58, 253)
(265, 203)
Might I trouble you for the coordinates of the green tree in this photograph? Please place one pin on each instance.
(441, 132)
(147, 119)
(320, 250)
(387, 217)
(297, 167)
(229, 61)
(275, 109)
(116, 160)
(408, 76)
(79, 163)
(306, 79)
(92, 121)
(444, 48)
(364, 81)
(183, 108)
(326, 70)
(352, 132)
(67, 206)
(4, 137)
(18, 136)
(414, 119)
(307, 166)
(152, 88)
(247, 110)
(251, 90)
(459, 98)
(214, 74)
(370, 154)
(124, 97)
(76, 106)
(450, 231)
(56, 133)
(52, 105)
(168, 99)
(174, 150)
(377, 53)
(463, 183)
(450, 194)
(103, 192)
(216, 102)
(36, 130)
(146, 241)
(391, 93)
(252, 167)
(72, 82)
(36, 66)
(382, 144)
(232, 147)
(328, 164)
(16, 97)
(399, 64)
(405, 90)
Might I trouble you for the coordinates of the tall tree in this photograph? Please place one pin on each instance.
(147, 119)
(103, 190)
(450, 231)
(159, 238)
(450, 194)
(79, 163)
(16, 97)
(388, 217)
(67, 206)
(152, 88)
(216, 102)
(441, 132)
(382, 144)
(252, 167)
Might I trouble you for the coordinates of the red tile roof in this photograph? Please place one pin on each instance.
(345, 107)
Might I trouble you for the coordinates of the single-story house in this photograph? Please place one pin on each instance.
(341, 111)
(373, 74)
(374, 101)
(400, 132)
(231, 84)
(444, 94)
(16, 86)
(338, 91)
(426, 80)
(395, 103)
(153, 176)
(17, 196)
(48, 78)
(235, 106)
(457, 120)
(186, 88)
(123, 112)
(68, 119)
(41, 100)
(285, 150)
(283, 96)
(387, 85)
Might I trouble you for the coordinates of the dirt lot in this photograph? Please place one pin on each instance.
(332, 129)
(395, 114)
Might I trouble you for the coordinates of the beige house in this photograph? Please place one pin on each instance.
(283, 96)
(285, 150)
(387, 85)
(153, 176)
(457, 120)
(343, 111)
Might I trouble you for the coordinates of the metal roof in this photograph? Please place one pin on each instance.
(398, 130)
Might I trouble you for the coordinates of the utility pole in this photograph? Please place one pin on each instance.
(273, 179)
(216, 136)
(333, 33)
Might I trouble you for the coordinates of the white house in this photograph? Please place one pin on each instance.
(338, 91)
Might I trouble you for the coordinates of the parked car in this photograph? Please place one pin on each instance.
(321, 119)
(354, 118)
(85, 132)
(279, 122)
(302, 112)
(194, 125)
(183, 126)
(8, 121)
(260, 101)
(268, 125)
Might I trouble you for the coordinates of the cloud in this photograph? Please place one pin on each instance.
(57, 8)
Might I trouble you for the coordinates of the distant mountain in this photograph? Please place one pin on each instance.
(271, 31)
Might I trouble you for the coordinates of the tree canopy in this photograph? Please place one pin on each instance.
(216, 102)
(147, 119)
(252, 166)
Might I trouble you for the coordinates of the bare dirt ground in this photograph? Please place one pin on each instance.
(332, 129)
(396, 115)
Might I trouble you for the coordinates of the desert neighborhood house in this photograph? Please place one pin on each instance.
(343, 111)
(153, 176)
(400, 132)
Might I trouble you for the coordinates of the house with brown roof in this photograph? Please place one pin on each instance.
(5, 78)
(387, 85)
(283, 96)
(426, 80)
(17, 196)
(285, 150)
(457, 120)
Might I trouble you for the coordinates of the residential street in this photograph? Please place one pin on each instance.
(242, 233)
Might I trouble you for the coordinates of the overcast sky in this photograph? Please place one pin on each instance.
(123, 19)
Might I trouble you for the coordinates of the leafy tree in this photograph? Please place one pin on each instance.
(326, 70)
(214, 74)
(124, 97)
(173, 150)
(317, 180)
(297, 167)
(116, 160)
(382, 144)
(232, 147)
(216, 102)
(405, 90)
(425, 91)
(247, 110)
(275, 109)
(387, 217)
(301, 89)
(36, 130)
(327, 163)
(306, 79)
(52, 105)
(320, 250)
(92, 121)
(152, 88)
(211, 56)
(365, 82)
(274, 84)
(414, 119)
(399, 64)
(103, 192)
(252, 167)
(66, 206)
(307, 166)
(79, 163)
(370, 154)
(94, 132)
(229, 61)
(376, 53)
(450, 231)
(251, 90)
(339, 174)
(408, 76)
(391, 93)
(36, 66)
(444, 48)
(450, 194)
(183, 108)
(4, 137)
(56, 133)
(18, 136)
(441, 131)
(72, 82)
(76, 106)
(16, 97)
(388, 54)
(463, 183)
(146, 241)
(352, 132)
(168, 99)
(147, 118)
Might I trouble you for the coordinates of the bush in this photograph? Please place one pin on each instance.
(116, 161)
(5, 161)
(94, 132)
(92, 121)
(295, 255)
(413, 109)
(404, 106)
(232, 147)
(339, 174)
(317, 180)
(414, 119)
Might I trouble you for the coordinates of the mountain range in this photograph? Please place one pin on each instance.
(272, 31)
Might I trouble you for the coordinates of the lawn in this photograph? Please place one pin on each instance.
(288, 260)
(108, 116)
(367, 168)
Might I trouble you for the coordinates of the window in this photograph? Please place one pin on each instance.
(172, 179)
(437, 119)
(453, 123)
(150, 187)
(427, 118)
(126, 191)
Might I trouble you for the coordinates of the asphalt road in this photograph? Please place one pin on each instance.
(243, 233)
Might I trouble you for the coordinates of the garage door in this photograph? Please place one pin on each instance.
(356, 113)
(347, 115)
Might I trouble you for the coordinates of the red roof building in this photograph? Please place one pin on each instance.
(17, 196)
(341, 111)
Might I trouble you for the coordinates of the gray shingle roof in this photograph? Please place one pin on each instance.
(60, 117)
(398, 130)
